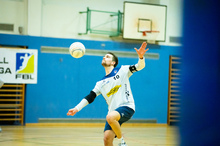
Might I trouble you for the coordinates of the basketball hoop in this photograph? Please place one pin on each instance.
(151, 31)
(144, 33)
(151, 36)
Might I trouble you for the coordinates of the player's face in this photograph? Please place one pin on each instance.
(107, 60)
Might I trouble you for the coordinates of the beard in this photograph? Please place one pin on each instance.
(104, 64)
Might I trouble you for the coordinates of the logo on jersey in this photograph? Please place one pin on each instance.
(113, 90)
(24, 63)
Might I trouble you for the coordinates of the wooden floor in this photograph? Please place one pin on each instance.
(85, 136)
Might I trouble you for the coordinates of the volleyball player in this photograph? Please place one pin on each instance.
(115, 88)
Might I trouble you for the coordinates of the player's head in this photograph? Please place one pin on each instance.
(110, 59)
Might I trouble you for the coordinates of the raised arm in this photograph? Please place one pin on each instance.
(141, 51)
(141, 62)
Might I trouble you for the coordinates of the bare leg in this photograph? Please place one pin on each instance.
(112, 119)
(109, 136)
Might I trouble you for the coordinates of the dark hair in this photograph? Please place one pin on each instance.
(115, 58)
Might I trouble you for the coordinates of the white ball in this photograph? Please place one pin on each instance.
(77, 49)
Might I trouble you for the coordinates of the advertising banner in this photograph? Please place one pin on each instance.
(18, 65)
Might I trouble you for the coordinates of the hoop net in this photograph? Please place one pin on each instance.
(151, 36)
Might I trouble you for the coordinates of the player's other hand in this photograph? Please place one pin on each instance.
(72, 111)
(141, 51)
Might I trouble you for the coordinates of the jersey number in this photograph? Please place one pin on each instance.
(116, 77)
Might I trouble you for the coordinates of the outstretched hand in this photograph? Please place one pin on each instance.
(141, 51)
(72, 112)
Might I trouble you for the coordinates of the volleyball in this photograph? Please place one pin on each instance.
(77, 49)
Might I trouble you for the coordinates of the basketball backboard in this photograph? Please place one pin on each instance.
(144, 21)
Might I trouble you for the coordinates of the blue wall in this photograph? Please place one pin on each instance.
(62, 84)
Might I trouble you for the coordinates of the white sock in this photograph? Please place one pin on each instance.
(121, 139)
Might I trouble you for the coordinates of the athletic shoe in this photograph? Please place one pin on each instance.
(122, 144)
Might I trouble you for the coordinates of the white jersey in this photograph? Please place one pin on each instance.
(115, 87)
